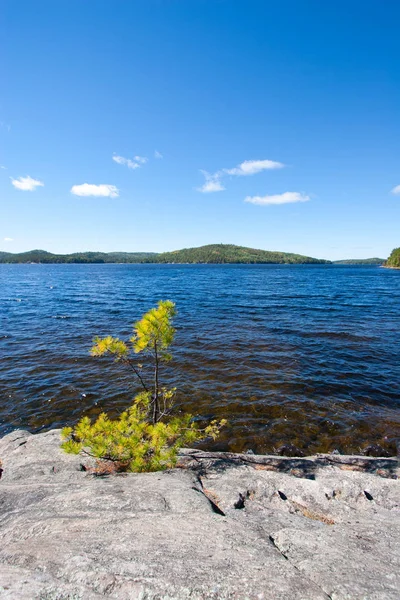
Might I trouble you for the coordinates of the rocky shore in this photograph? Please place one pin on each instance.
(221, 526)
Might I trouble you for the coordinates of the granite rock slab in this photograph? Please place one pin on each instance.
(220, 526)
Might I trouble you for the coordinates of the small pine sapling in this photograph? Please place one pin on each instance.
(145, 437)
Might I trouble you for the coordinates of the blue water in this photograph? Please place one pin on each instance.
(304, 355)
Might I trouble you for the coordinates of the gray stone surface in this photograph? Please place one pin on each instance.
(221, 526)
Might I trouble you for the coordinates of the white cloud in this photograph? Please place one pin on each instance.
(285, 198)
(128, 162)
(90, 189)
(6, 239)
(26, 184)
(247, 167)
(211, 184)
(157, 154)
(251, 167)
(396, 190)
(3, 167)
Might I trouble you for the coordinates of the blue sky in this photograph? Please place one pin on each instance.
(265, 124)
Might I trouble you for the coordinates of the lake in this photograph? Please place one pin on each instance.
(307, 355)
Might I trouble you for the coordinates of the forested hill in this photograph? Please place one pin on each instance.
(41, 256)
(228, 253)
(394, 259)
(213, 254)
(360, 261)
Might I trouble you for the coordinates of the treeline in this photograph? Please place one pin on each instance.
(43, 257)
(360, 261)
(211, 254)
(394, 259)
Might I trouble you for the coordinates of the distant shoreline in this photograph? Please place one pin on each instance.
(214, 264)
(214, 254)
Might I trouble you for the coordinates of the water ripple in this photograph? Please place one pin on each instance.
(307, 355)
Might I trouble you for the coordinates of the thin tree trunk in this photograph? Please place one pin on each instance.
(156, 407)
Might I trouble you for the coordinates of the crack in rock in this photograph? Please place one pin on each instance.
(272, 540)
